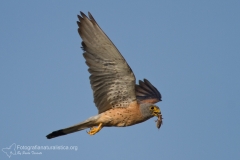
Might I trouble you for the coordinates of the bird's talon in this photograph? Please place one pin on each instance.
(94, 130)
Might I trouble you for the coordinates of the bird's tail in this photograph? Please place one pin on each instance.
(78, 127)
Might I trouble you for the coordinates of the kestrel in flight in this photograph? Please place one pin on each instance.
(119, 100)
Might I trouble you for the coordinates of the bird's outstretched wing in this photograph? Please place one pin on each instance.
(147, 93)
(112, 80)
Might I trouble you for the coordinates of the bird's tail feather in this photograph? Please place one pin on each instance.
(78, 127)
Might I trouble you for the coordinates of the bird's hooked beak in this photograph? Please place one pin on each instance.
(156, 111)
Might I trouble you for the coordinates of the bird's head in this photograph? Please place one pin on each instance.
(149, 110)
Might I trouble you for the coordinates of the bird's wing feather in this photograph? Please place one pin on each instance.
(112, 80)
(147, 93)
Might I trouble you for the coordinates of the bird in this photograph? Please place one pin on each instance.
(119, 100)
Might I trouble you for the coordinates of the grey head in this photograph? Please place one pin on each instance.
(149, 110)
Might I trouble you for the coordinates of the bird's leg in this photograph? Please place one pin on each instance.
(94, 130)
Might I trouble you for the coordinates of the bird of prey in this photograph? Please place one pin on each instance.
(119, 100)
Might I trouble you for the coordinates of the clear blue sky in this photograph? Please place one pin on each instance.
(190, 50)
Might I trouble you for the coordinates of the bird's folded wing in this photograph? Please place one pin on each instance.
(112, 80)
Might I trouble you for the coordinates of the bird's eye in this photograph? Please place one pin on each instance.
(152, 108)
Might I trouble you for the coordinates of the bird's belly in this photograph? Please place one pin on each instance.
(120, 117)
